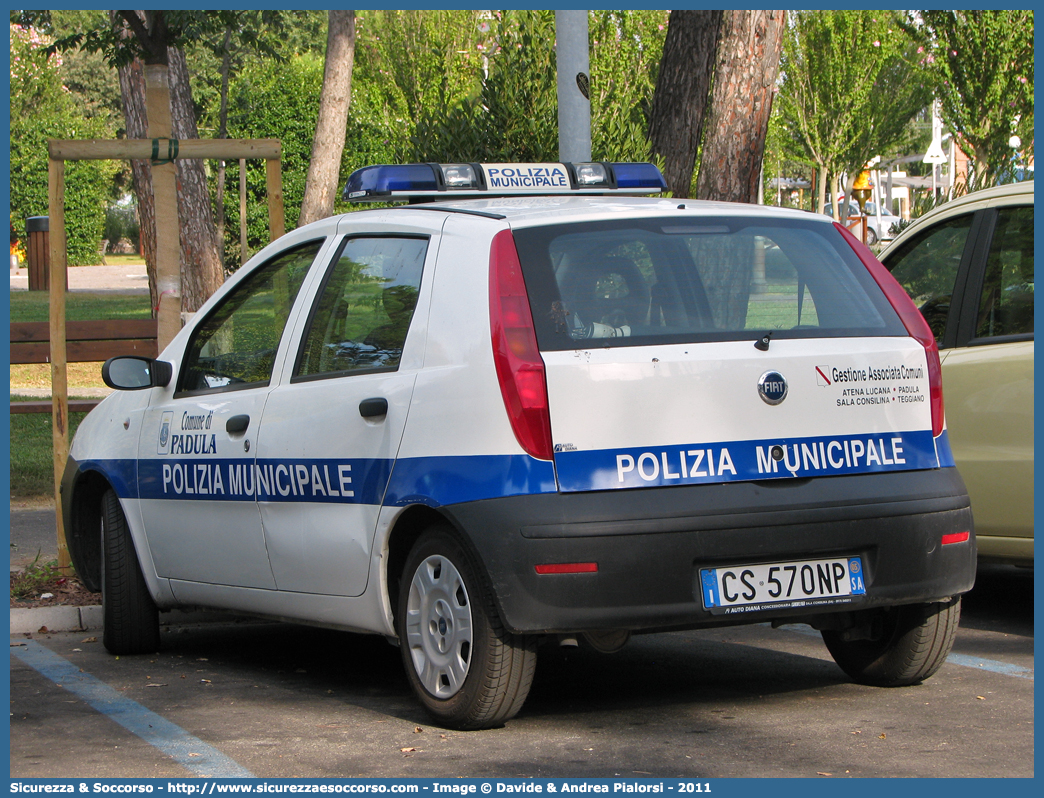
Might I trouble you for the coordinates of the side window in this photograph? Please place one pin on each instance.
(364, 310)
(235, 346)
(1006, 303)
(927, 266)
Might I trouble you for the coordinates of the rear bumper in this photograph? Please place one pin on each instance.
(650, 544)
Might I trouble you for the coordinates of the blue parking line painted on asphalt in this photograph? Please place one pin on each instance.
(991, 665)
(188, 751)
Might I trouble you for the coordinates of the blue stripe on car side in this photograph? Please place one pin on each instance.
(942, 446)
(454, 480)
(120, 474)
(736, 461)
(346, 480)
(438, 481)
(434, 481)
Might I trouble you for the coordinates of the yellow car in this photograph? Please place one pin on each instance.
(968, 265)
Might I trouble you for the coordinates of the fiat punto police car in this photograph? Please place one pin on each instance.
(529, 408)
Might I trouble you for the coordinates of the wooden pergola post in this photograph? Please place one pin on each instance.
(56, 319)
(162, 151)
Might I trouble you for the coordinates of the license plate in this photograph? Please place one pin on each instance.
(809, 583)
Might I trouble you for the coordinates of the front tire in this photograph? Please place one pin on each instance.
(130, 615)
(914, 642)
(464, 666)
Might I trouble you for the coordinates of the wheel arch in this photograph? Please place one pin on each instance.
(82, 519)
(405, 533)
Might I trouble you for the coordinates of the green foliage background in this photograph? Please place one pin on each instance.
(436, 86)
(626, 48)
(42, 109)
(268, 99)
(461, 85)
(850, 87)
(985, 99)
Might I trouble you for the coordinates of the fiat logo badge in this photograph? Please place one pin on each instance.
(772, 387)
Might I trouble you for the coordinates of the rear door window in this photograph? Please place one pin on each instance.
(360, 321)
(1006, 301)
(635, 283)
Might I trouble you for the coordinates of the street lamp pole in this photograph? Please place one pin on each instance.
(574, 104)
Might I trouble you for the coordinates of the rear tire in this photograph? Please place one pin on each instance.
(130, 615)
(915, 642)
(871, 236)
(464, 666)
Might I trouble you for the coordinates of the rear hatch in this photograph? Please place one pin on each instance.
(712, 349)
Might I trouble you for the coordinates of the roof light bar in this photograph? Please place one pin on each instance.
(460, 175)
(428, 181)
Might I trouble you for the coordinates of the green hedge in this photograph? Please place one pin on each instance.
(42, 109)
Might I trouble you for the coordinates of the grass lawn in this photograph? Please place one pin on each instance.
(80, 306)
(38, 375)
(122, 260)
(32, 462)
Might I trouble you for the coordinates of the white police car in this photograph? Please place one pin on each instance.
(520, 414)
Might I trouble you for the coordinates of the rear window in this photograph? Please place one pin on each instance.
(639, 282)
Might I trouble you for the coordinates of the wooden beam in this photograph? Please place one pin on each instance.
(95, 330)
(168, 254)
(107, 149)
(86, 341)
(84, 351)
(44, 406)
(274, 180)
(243, 252)
(56, 320)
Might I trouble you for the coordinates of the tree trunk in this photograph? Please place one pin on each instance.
(219, 198)
(201, 270)
(821, 190)
(328, 145)
(746, 67)
(845, 190)
(682, 91)
(132, 92)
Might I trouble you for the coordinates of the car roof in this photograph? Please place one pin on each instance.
(982, 196)
(969, 202)
(1022, 187)
(536, 210)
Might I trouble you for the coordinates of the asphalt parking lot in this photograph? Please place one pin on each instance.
(270, 700)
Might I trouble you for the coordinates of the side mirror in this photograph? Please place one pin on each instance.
(131, 373)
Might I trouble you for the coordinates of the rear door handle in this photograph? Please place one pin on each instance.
(371, 408)
(237, 424)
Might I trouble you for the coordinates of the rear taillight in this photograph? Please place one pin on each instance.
(956, 537)
(520, 369)
(911, 318)
(567, 568)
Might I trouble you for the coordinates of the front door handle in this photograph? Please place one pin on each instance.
(237, 424)
(371, 408)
